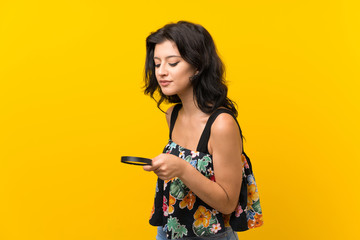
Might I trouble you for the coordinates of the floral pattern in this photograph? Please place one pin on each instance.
(172, 201)
(243, 158)
(238, 210)
(256, 221)
(202, 216)
(188, 201)
(194, 154)
(178, 230)
(183, 214)
(253, 195)
(205, 223)
(226, 218)
(165, 207)
(215, 228)
(253, 209)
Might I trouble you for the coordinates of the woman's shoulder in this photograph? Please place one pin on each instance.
(225, 121)
(224, 130)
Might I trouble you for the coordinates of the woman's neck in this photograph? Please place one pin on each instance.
(189, 106)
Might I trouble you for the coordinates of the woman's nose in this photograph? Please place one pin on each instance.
(162, 69)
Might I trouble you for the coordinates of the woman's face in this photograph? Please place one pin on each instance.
(171, 70)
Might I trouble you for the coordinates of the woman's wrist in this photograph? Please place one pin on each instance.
(183, 165)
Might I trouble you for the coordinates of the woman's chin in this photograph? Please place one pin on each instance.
(167, 92)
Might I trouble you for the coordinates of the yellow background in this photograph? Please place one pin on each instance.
(71, 104)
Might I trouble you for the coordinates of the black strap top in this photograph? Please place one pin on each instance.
(180, 212)
(204, 139)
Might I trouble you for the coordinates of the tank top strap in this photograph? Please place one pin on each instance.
(204, 139)
(174, 115)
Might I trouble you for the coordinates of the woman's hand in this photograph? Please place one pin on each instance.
(166, 166)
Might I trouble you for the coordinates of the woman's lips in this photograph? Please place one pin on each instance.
(164, 83)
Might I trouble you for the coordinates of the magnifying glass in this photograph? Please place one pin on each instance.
(136, 160)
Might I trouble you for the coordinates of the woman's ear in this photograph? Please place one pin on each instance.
(196, 72)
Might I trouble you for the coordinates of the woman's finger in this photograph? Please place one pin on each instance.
(147, 168)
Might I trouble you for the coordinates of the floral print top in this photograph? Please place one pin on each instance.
(183, 215)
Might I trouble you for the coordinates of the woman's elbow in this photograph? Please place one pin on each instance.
(229, 208)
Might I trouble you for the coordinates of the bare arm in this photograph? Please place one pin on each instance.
(226, 147)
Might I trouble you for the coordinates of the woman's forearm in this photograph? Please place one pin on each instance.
(210, 192)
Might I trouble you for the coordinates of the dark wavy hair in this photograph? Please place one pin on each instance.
(196, 47)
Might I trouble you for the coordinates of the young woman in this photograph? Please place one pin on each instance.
(200, 170)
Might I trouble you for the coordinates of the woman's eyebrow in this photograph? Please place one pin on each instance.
(168, 56)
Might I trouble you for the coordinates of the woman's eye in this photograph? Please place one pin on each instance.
(173, 64)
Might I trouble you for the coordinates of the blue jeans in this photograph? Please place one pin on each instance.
(229, 234)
